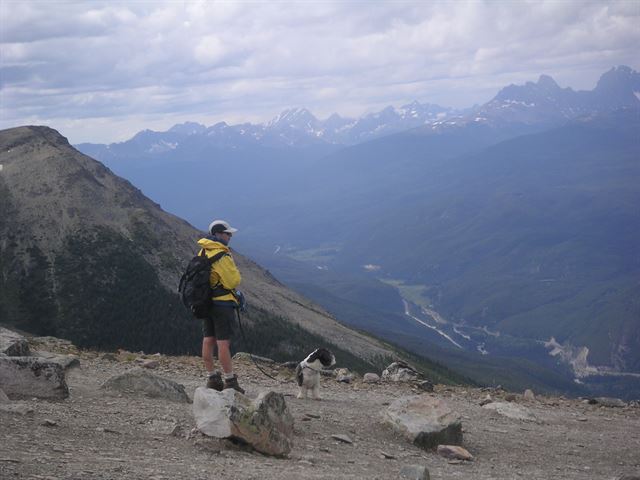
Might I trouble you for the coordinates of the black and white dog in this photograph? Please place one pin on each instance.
(308, 372)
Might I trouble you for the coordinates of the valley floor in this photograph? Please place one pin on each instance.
(96, 434)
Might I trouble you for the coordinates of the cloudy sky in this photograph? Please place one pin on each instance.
(101, 71)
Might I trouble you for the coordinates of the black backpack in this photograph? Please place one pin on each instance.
(195, 289)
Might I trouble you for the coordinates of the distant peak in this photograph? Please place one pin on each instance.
(547, 82)
(621, 79)
(292, 115)
(188, 128)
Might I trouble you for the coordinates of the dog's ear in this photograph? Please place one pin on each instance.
(315, 355)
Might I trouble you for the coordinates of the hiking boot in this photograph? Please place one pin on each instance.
(215, 381)
(233, 383)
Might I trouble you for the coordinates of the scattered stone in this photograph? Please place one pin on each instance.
(454, 452)
(387, 455)
(342, 438)
(426, 385)
(581, 419)
(371, 378)
(415, 472)
(511, 410)
(142, 382)
(28, 377)
(487, 400)
(425, 421)
(110, 357)
(610, 402)
(310, 459)
(511, 397)
(529, 395)
(13, 344)
(17, 408)
(3, 397)
(265, 423)
(311, 415)
(400, 372)
(343, 375)
(150, 364)
(49, 423)
(250, 357)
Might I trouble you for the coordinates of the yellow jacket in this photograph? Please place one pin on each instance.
(224, 272)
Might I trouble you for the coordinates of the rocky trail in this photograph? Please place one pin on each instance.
(105, 434)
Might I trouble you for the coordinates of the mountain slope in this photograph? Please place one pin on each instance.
(86, 256)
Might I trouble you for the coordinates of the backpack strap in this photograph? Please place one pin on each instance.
(216, 257)
(218, 290)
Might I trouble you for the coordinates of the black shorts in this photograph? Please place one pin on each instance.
(220, 323)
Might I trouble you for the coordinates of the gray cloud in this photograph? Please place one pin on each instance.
(100, 71)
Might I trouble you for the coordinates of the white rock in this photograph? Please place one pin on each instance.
(13, 344)
(425, 421)
(528, 395)
(371, 378)
(65, 361)
(511, 410)
(143, 382)
(400, 372)
(265, 423)
(28, 377)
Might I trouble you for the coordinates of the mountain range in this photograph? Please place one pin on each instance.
(543, 104)
(509, 230)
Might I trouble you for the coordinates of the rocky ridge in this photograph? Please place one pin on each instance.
(99, 433)
(46, 183)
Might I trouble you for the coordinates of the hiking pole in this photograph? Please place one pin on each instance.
(246, 344)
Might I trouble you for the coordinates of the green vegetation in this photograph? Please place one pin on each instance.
(110, 297)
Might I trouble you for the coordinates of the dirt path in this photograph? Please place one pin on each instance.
(99, 435)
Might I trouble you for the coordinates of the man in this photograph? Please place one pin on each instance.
(218, 327)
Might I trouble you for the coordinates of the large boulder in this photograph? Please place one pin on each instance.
(13, 344)
(66, 361)
(425, 421)
(28, 377)
(140, 381)
(264, 423)
(400, 372)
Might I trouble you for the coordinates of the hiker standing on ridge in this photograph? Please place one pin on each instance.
(217, 327)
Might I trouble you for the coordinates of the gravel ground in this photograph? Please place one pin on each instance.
(96, 434)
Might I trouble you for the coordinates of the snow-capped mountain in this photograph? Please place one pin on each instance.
(546, 102)
(532, 106)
